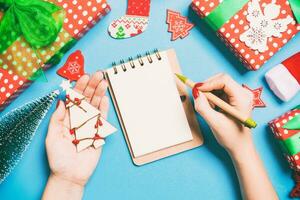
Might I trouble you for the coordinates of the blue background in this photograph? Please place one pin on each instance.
(202, 173)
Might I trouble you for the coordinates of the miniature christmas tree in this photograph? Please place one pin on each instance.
(17, 129)
(86, 124)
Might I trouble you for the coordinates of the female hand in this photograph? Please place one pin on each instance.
(236, 138)
(65, 162)
(229, 132)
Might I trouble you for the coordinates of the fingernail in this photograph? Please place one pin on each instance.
(57, 104)
(198, 84)
(195, 90)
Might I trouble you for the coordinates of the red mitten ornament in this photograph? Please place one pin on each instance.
(257, 101)
(73, 69)
(178, 25)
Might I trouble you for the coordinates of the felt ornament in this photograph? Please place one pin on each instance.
(87, 126)
(284, 79)
(17, 129)
(73, 69)
(257, 101)
(134, 22)
(178, 25)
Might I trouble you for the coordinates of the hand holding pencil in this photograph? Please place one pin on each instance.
(229, 125)
(244, 119)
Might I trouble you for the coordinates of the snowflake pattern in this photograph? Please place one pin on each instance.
(73, 67)
(263, 25)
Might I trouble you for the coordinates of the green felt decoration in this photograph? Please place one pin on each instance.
(17, 129)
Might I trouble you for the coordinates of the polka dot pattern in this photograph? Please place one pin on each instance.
(231, 31)
(18, 62)
(10, 83)
(82, 15)
(19, 58)
(281, 134)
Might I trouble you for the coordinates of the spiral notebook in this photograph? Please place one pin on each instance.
(154, 109)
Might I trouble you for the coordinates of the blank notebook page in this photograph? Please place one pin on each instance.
(150, 105)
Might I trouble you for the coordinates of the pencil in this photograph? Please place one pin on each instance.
(248, 122)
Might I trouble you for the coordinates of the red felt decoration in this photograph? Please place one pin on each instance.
(292, 65)
(73, 69)
(138, 8)
(257, 101)
(178, 25)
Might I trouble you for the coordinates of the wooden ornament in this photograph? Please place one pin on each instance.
(87, 126)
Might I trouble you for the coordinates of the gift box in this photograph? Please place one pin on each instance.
(286, 129)
(253, 29)
(22, 58)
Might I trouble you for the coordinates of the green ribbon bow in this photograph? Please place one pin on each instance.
(33, 19)
(228, 8)
(292, 143)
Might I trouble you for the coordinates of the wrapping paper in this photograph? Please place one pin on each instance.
(288, 138)
(19, 61)
(230, 33)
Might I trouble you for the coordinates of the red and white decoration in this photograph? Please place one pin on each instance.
(263, 25)
(134, 22)
(257, 49)
(82, 15)
(281, 133)
(11, 85)
(87, 126)
(178, 25)
(73, 69)
(284, 79)
(257, 101)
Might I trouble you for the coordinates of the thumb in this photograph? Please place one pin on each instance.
(59, 113)
(203, 107)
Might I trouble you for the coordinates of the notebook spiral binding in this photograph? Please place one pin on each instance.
(140, 59)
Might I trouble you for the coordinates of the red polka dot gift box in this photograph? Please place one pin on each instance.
(38, 38)
(253, 29)
(286, 129)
